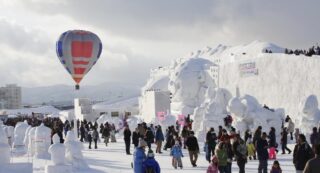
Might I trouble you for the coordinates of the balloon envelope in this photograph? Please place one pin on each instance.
(78, 51)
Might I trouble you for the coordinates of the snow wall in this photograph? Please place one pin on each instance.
(277, 80)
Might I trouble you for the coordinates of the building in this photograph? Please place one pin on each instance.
(154, 102)
(120, 108)
(83, 110)
(10, 97)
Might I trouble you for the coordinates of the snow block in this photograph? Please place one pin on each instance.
(58, 168)
(17, 168)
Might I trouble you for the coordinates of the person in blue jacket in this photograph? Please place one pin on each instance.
(139, 156)
(150, 165)
(159, 139)
(176, 154)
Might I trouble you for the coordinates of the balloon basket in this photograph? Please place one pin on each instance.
(77, 87)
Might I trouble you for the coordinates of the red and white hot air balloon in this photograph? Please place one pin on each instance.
(78, 51)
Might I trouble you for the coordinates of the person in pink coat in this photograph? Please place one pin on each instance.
(213, 167)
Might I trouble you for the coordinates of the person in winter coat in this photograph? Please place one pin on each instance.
(95, 137)
(257, 135)
(263, 155)
(90, 138)
(176, 154)
(251, 150)
(290, 128)
(149, 137)
(113, 133)
(82, 133)
(302, 153)
(101, 128)
(224, 136)
(135, 137)
(159, 139)
(247, 135)
(213, 167)
(185, 134)
(193, 148)
(150, 165)
(230, 154)
(222, 156)
(211, 138)
(106, 133)
(272, 138)
(139, 156)
(284, 141)
(276, 167)
(240, 152)
(312, 165)
(314, 137)
(127, 139)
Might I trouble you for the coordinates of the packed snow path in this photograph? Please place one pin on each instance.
(113, 159)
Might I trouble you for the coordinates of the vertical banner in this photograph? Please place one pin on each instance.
(161, 116)
(181, 120)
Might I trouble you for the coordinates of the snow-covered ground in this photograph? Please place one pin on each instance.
(112, 159)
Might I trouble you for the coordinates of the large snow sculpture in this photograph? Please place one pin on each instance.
(212, 112)
(57, 151)
(248, 114)
(311, 116)
(73, 152)
(42, 141)
(189, 81)
(19, 132)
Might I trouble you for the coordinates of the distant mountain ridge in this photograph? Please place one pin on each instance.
(65, 94)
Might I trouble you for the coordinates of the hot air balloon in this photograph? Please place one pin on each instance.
(78, 51)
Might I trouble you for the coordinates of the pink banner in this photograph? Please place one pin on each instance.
(161, 116)
(181, 120)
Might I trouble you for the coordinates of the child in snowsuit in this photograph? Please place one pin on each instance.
(213, 167)
(251, 149)
(176, 154)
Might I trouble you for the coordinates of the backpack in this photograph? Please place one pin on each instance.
(242, 148)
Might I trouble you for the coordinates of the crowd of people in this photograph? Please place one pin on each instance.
(222, 147)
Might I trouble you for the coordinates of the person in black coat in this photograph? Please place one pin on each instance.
(257, 135)
(149, 137)
(272, 138)
(135, 138)
(193, 148)
(314, 137)
(211, 138)
(302, 153)
(82, 132)
(263, 155)
(284, 141)
(127, 139)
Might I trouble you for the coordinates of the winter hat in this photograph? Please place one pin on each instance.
(150, 153)
(214, 159)
(142, 143)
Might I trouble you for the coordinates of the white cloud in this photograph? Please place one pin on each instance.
(138, 35)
